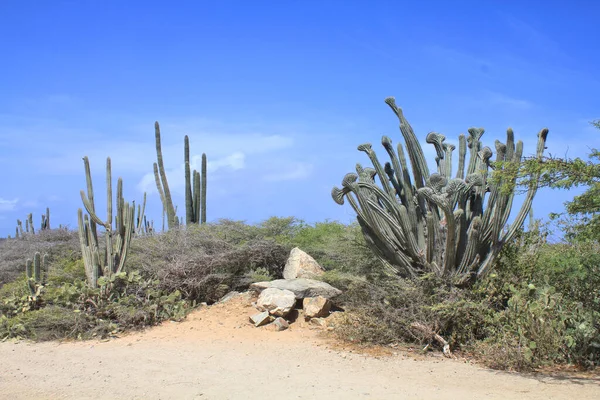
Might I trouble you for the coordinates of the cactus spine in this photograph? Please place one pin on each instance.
(117, 241)
(437, 223)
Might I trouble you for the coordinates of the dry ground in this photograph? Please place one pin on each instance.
(216, 354)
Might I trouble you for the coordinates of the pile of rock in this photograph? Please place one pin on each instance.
(280, 300)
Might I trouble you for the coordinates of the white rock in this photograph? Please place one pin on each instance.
(301, 265)
(279, 324)
(301, 287)
(277, 302)
(261, 319)
(316, 307)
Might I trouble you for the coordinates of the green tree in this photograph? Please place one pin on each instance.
(581, 222)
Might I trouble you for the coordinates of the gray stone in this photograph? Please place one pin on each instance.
(279, 324)
(316, 307)
(228, 297)
(301, 265)
(261, 319)
(277, 302)
(301, 287)
(320, 322)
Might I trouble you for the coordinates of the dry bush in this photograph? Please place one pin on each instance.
(57, 243)
(204, 262)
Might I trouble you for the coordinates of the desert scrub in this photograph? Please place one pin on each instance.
(125, 301)
(538, 327)
(384, 311)
(205, 262)
(57, 243)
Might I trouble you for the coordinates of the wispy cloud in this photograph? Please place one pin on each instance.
(8, 205)
(513, 102)
(295, 171)
(533, 39)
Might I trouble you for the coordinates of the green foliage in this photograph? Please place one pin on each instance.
(337, 246)
(75, 310)
(540, 326)
(582, 221)
(260, 274)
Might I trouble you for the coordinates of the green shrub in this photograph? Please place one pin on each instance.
(48, 323)
(337, 246)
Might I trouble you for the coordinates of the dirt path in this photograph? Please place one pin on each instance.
(216, 354)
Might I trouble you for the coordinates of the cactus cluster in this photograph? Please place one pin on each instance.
(29, 227)
(195, 187)
(117, 241)
(453, 225)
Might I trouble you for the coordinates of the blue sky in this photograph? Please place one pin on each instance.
(278, 94)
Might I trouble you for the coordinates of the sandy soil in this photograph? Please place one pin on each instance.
(217, 354)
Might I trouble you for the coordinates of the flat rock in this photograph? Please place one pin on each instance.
(278, 325)
(261, 319)
(301, 265)
(228, 297)
(316, 307)
(320, 322)
(278, 302)
(301, 287)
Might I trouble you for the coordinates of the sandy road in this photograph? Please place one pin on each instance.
(216, 354)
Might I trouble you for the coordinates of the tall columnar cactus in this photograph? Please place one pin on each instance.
(46, 220)
(202, 196)
(195, 187)
(29, 224)
(117, 241)
(162, 184)
(453, 226)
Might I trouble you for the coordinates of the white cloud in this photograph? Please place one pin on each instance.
(295, 171)
(501, 99)
(176, 176)
(8, 205)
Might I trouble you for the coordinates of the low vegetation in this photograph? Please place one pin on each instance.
(501, 294)
(541, 306)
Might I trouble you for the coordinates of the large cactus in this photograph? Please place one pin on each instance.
(117, 241)
(452, 226)
(195, 187)
(162, 184)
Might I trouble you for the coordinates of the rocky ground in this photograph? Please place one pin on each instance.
(218, 354)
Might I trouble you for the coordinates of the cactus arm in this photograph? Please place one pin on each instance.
(189, 202)
(203, 194)
(520, 218)
(141, 216)
(415, 152)
(87, 249)
(168, 201)
(448, 149)
(462, 151)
